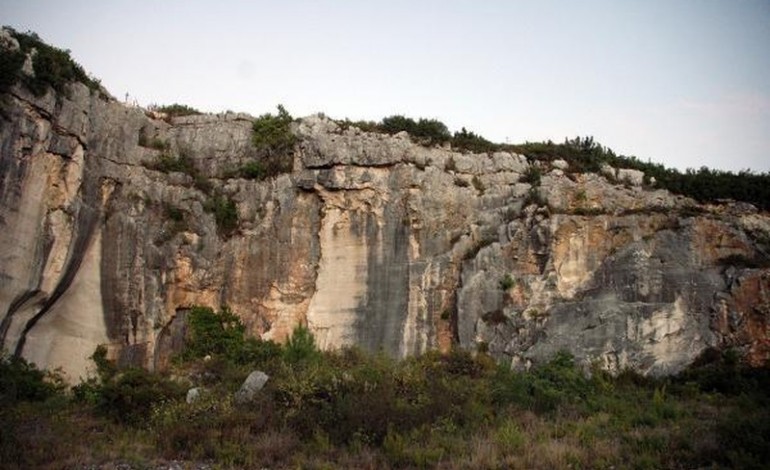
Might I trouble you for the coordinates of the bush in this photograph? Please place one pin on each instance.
(223, 334)
(11, 63)
(543, 388)
(532, 175)
(168, 163)
(130, 396)
(274, 141)
(125, 396)
(466, 140)
(23, 381)
(253, 170)
(425, 131)
(507, 282)
(301, 346)
(211, 333)
(272, 133)
(176, 110)
(225, 213)
(53, 67)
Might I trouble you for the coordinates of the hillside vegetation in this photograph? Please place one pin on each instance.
(586, 155)
(53, 68)
(348, 409)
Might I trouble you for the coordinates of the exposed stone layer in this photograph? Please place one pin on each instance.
(372, 240)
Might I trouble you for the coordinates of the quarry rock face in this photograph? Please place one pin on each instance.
(371, 240)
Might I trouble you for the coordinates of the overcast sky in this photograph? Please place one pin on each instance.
(685, 83)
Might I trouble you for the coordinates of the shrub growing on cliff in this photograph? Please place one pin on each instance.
(52, 67)
(223, 334)
(466, 140)
(11, 63)
(425, 131)
(272, 133)
(168, 163)
(225, 213)
(274, 142)
(176, 110)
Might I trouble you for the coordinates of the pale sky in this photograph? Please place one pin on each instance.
(684, 83)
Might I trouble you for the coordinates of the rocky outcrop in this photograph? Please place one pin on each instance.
(372, 240)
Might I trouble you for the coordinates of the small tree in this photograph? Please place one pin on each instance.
(301, 346)
(272, 134)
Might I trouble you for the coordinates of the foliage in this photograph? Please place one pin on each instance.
(53, 67)
(507, 282)
(223, 334)
(11, 63)
(274, 142)
(545, 388)
(253, 170)
(366, 126)
(225, 213)
(350, 409)
(168, 163)
(585, 155)
(425, 131)
(470, 141)
(177, 110)
(211, 333)
(272, 134)
(300, 347)
(131, 394)
(705, 185)
(22, 381)
(532, 175)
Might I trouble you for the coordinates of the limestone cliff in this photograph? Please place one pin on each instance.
(371, 240)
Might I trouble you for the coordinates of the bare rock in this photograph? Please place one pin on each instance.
(251, 386)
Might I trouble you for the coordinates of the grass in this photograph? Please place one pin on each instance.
(349, 409)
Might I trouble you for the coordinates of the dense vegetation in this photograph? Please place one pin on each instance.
(53, 67)
(348, 409)
(176, 110)
(274, 142)
(584, 155)
(705, 185)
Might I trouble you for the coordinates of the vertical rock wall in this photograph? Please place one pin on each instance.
(372, 240)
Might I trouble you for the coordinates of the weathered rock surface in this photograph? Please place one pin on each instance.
(251, 386)
(372, 240)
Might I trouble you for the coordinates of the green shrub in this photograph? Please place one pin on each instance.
(425, 131)
(544, 388)
(225, 213)
(274, 141)
(167, 163)
(272, 134)
(23, 381)
(507, 282)
(53, 67)
(300, 346)
(366, 126)
(157, 144)
(211, 333)
(224, 335)
(253, 170)
(11, 63)
(125, 396)
(466, 140)
(176, 110)
(532, 175)
(130, 396)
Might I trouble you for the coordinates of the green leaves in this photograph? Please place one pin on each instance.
(272, 134)
(426, 131)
